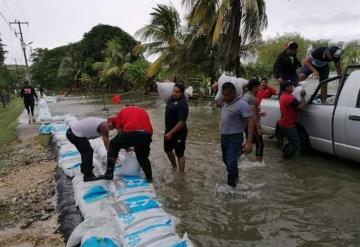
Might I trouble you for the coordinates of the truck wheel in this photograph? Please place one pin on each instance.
(305, 141)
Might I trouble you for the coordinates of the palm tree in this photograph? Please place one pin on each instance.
(70, 69)
(162, 35)
(112, 68)
(229, 24)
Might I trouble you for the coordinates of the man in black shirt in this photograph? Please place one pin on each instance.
(286, 64)
(175, 127)
(317, 63)
(28, 93)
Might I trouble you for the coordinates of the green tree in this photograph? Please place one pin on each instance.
(70, 70)
(231, 24)
(351, 53)
(136, 73)
(95, 41)
(162, 36)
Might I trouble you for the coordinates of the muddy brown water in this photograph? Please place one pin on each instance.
(310, 201)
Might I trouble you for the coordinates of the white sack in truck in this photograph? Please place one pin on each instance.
(297, 91)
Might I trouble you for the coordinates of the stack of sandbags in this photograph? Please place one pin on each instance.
(44, 115)
(119, 212)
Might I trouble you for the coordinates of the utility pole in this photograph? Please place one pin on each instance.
(23, 44)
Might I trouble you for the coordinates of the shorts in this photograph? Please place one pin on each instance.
(178, 142)
(324, 71)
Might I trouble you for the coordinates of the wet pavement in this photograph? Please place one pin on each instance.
(309, 201)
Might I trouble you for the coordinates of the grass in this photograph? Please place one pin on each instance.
(8, 117)
(4, 212)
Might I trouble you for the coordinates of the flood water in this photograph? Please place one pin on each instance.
(309, 201)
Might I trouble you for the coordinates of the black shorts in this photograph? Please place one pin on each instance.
(178, 142)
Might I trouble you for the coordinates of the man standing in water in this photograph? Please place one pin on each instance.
(134, 130)
(28, 93)
(250, 97)
(176, 114)
(289, 108)
(79, 134)
(317, 63)
(235, 116)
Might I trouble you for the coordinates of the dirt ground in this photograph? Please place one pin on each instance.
(28, 215)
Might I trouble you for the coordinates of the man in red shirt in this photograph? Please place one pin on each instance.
(265, 91)
(135, 130)
(289, 108)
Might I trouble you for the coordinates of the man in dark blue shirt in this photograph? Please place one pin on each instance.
(317, 63)
(176, 115)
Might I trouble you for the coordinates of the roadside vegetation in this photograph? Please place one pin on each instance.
(8, 117)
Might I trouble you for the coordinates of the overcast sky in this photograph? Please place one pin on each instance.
(54, 23)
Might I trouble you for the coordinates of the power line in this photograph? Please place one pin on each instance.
(9, 10)
(21, 10)
(7, 23)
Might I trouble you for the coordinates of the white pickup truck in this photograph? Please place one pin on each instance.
(332, 127)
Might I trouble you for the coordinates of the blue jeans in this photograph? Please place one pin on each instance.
(294, 141)
(231, 150)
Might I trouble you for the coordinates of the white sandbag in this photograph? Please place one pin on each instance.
(100, 231)
(60, 138)
(165, 90)
(66, 147)
(99, 149)
(58, 118)
(99, 167)
(126, 221)
(155, 235)
(69, 120)
(42, 103)
(297, 92)
(128, 166)
(189, 91)
(238, 82)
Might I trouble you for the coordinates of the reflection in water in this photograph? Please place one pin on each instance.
(309, 201)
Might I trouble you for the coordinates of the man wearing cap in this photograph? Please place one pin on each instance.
(289, 108)
(287, 63)
(134, 130)
(317, 63)
(79, 134)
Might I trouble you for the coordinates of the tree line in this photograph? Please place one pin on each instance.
(216, 37)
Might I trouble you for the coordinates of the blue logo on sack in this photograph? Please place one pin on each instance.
(127, 218)
(180, 244)
(140, 203)
(99, 242)
(95, 193)
(134, 181)
(69, 154)
(76, 166)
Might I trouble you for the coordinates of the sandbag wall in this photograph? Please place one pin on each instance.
(121, 212)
